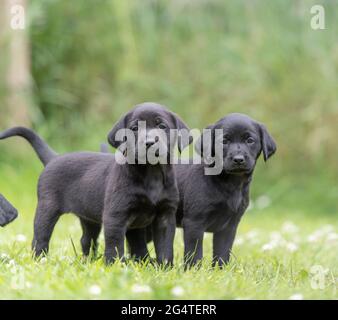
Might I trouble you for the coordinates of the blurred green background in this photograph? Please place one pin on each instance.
(89, 62)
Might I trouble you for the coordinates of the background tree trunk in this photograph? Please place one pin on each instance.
(15, 80)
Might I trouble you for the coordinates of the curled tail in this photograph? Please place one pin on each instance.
(44, 152)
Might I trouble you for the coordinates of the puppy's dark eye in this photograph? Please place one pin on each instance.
(134, 128)
(162, 125)
(250, 140)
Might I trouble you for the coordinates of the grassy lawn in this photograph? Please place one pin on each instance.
(273, 258)
(203, 59)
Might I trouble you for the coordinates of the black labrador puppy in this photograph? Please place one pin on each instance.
(7, 212)
(95, 187)
(216, 203)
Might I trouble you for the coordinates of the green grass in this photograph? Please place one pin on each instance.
(252, 274)
(203, 59)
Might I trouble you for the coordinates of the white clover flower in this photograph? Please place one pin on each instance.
(268, 246)
(296, 238)
(263, 202)
(276, 239)
(289, 227)
(177, 291)
(138, 288)
(332, 236)
(320, 233)
(252, 234)
(327, 228)
(239, 241)
(314, 237)
(43, 260)
(95, 290)
(21, 238)
(296, 296)
(292, 247)
(11, 262)
(276, 236)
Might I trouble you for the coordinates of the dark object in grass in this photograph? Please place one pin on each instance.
(216, 203)
(124, 197)
(7, 212)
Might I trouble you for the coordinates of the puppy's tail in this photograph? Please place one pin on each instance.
(44, 152)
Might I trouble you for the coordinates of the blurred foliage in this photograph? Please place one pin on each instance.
(93, 60)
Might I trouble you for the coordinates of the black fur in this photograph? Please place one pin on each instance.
(7, 212)
(93, 186)
(216, 203)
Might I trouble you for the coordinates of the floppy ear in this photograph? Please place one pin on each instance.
(200, 148)
(121, 124)
(267, 142)
(183, 138)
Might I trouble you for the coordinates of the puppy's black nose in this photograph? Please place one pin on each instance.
(150, 142)
(239, 159)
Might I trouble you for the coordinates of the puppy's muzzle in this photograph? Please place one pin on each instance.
(239, 160)
(239, 164)
(150, 142)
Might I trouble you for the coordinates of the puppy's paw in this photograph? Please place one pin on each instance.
(112, 260)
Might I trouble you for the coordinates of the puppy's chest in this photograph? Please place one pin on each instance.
(154, 190)
(231, 201)
(151, 200)
(236, 202)
(224, 210)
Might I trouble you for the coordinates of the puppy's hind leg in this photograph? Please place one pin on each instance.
(137, 243)
(47, 214)
(90, 234)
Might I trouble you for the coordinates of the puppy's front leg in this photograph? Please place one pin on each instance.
(163, 227)
(114, 234)
(137, 244)
(193, 243)
(222, 243)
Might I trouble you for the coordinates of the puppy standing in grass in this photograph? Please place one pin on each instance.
(216, 203)
(214, 193)
(124, 197)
